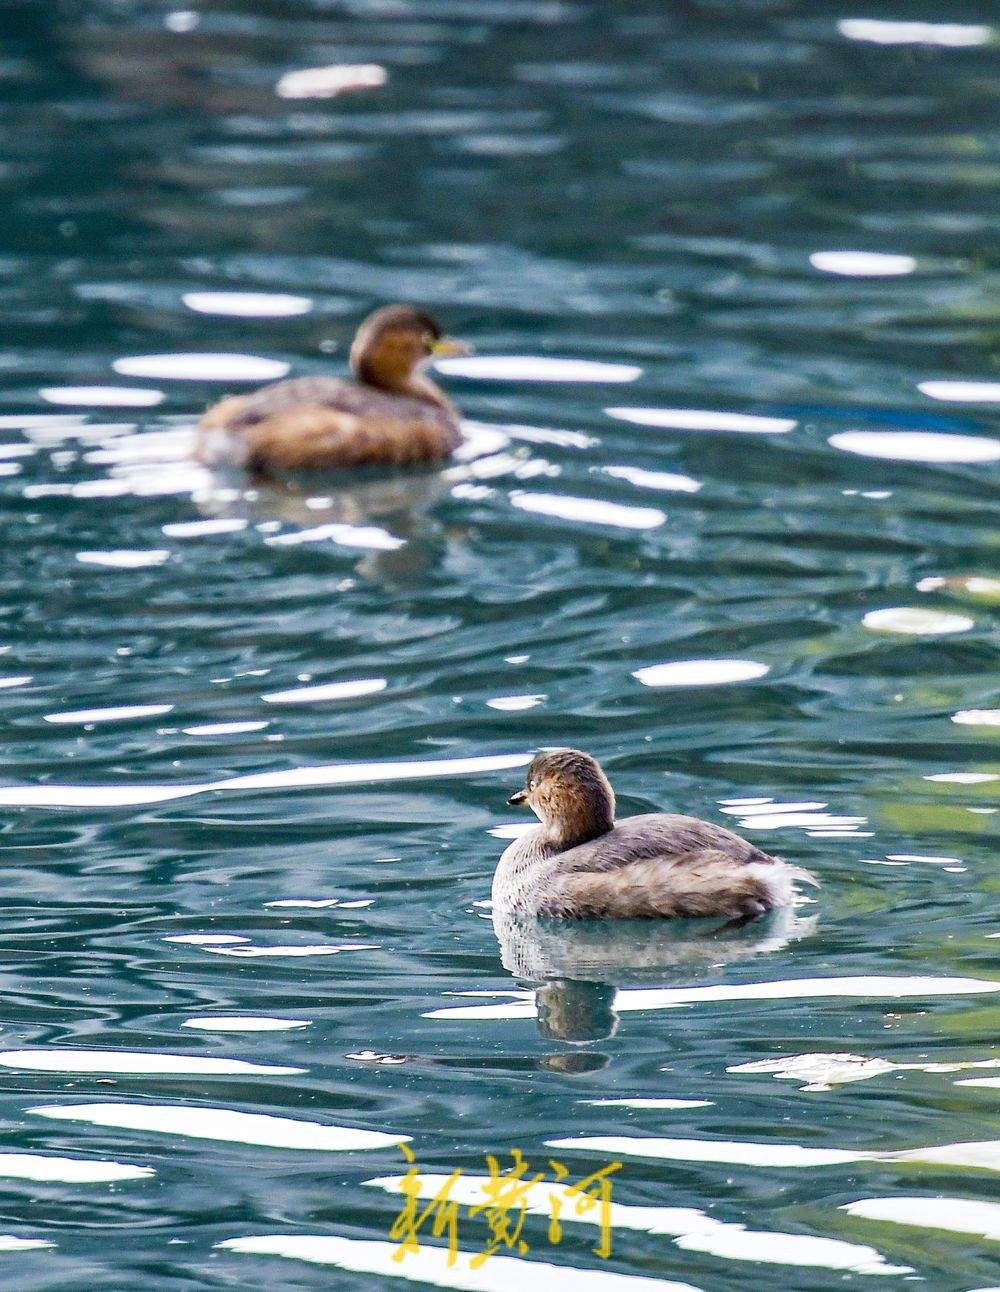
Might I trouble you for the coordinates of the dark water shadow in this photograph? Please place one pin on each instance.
(579, 964)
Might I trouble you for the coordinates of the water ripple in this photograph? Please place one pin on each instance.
(224, 1124)
(125, 795)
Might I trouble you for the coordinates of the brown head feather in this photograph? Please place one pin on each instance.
(391, 344)
(570, 795)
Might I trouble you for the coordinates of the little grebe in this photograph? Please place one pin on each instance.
(392, 415)
(580, 863)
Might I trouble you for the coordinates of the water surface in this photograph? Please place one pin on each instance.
(726, 518)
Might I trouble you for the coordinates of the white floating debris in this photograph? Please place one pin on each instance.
(977, 717)
(328, 82)
(824, 1071)
(701, 672)
(202, 367)
(819, 1071)
(699, 419)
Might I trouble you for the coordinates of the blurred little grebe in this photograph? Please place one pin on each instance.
(392, 415)
(580, 863)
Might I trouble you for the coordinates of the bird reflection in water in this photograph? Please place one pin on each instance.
(576, 1010)
(579, 964)
(387, 515)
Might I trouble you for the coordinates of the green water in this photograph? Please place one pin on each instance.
(672, 201)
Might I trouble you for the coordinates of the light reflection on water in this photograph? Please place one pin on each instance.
(204, 1023)
(122, 1062)
(960, 1215)
(430, 1265)
(977, 1156)
(222, 1124)
(724, 514)
(825, 1071)
(669, 997)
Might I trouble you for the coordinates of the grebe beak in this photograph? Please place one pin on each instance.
(447, 347)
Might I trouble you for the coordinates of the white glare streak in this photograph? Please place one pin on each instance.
(701, 672)
(878, 31)
(102, 396)
(862, 264)
(698, 419)
(250, 305)
(223, 1124)
(431, 1265)
(517, 367)
(126, 795)
(327, 82)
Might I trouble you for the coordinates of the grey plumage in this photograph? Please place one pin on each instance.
(579, 863)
